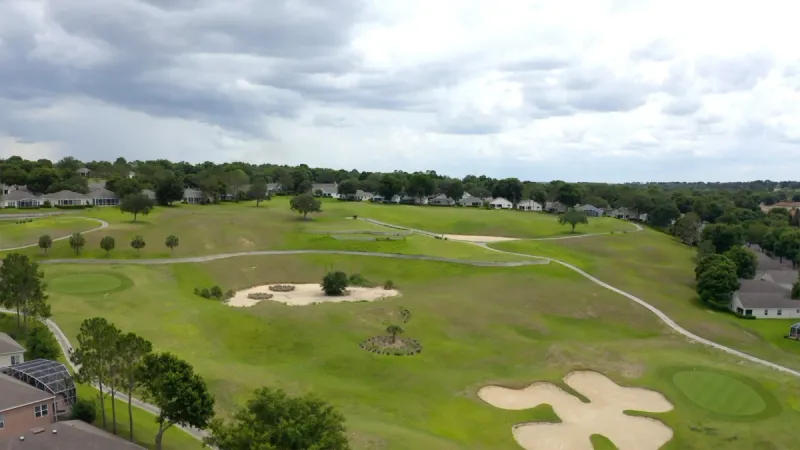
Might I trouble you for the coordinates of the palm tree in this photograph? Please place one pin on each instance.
(172, 242)
(394, 330)
(77, 241)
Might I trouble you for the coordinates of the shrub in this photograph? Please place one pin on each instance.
(259, 296)
(230, 293)
(216, 292)
(84, 410)
(281, 288)
(388, 284)
(357, 279)
(47, 204)
(41, 344)
(205, 293)
(72, 206)
(335, 283)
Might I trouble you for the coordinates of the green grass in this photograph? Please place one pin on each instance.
(479, 326)
(89, 283)
(472, 221)
(14, 235)
(719, 393)
(660, 271)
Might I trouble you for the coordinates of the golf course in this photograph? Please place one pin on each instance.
(486, 313)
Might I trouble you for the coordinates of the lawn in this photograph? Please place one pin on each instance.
(478, 326)
(231, 227)
(13, 234)
(660, 271)
(472, 221)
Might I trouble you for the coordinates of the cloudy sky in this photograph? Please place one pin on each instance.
(600, 90)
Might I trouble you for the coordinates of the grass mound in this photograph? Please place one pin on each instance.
(89, 283)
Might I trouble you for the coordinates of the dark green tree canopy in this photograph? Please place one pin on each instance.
(304, 204)
(573, 217)
(136, 204)
(335, 283)
(745, 261)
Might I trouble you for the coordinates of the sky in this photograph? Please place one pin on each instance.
(601, 90)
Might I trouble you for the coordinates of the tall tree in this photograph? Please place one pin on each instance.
(236, 179)
(136, 204)
(124, 186)
(716, 285)
(107, 244)
(745, 261)
(22, 289)
(258, 191)
(348, 187)
(389, 186)
(274, 420)
(97, 349)
(172, 242)
(180, 394)
(169, 189)
(573, 217)
(755, 232)
(76, 242)
(13, 175)
(134, 348)
(723, 236)
(45, 242)
(304, 204)
(569, 194)
(455, 190)
(510, 189)
(687, 228)
(420, 185)
(40, 179)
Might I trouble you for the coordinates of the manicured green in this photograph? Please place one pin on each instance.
(719, 393)
(86, 283)
(479, 326)
(14, 235)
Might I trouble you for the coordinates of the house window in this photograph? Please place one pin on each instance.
(40, 411)
(739, 310)
(14, 360)
(780, 312)
(766, 312)
(749, 312)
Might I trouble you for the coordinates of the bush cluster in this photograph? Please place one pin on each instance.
(281, 288)
(84, 410)
(382, 345)
(388, 284)
(214, 292)
(357, 279)
(73, 206)
(19, 222)
(259, 296)
(47, 204)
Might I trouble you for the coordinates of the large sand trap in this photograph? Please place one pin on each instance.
(603, 415)
(472, 238)
(306, 294)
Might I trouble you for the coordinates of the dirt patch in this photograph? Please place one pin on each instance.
(245, 242)
(579, 421)
(472, 238)
(310, 293)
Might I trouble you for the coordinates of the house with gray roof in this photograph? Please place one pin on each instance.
(83, 171)
(529, 205)
(329, 190)
(555, 207)
(11, 352)
(103, 197)
(590, 210)
(768, 294)
(441, 200)
(471, 201)
(20, 198)
(66, 435)
(67, 198)
(273, 188)
(193, 196)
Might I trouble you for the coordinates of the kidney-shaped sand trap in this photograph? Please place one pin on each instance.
(307, 294)
(579, 421)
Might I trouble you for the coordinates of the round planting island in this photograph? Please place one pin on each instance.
(89, 283)
(385, 345)
(725, 394)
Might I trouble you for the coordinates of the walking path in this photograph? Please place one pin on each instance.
(66, 345)
(103, 224)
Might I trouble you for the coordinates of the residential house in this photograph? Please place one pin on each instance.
(150, 194)
(788, 205)
(378, 199)
(500, 203)
(768, 294)
(11, 353)
(409, 200)
(20, 198)
(529, 205)
(83, 172)
(23, 407)
(67, 198)
(193, 196)
(103, 197)
(396, 198)
(442, 200)
(626, 213)
(66, 435)
(4, 189)
(274, 188)
(131, 174)
(555, 207)
(329, 190)
(591, 210)
(471, 202)
(360, 196)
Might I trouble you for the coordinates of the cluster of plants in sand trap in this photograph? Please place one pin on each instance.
(259, 296)
(336, 283)
(282, 288)
(391, 344)
(215, 292)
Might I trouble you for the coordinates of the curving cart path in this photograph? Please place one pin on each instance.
(103, 224)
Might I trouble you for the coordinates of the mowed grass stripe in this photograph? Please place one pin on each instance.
(719, 393)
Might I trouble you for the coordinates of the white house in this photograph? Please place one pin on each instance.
(330, 190)
(591, 210)
(500, 203)
(442, 200)
(11, 353)
(193, 196)
(766, 297)
(20, 198)
(529, 205)
(471, 202)
(67, 198)
(83, 172)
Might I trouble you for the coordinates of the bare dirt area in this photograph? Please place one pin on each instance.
(308, 294)
(472, 238)
(579, 421)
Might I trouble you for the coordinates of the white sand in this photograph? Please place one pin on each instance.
(581, 420)
(472, 238)
(306, 294)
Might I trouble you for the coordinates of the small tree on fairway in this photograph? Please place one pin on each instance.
(136, 204)
(304, 204)
(573, 217)
(76, 242)
(22, 289)
(258, 191)
(180, 394)
(335, 283)
(274, 420)
(45, 242)
(107, 244)
(394, 330)
(138, 243)
(172, 242)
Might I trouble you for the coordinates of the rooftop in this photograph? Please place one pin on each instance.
(68, 435)
(16, 394)
(9, 345)
(46, 376)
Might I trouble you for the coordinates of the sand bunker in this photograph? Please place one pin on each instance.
(307, 294)
(579, 421)
(471, 238)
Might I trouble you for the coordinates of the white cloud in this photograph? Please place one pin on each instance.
(504, 87)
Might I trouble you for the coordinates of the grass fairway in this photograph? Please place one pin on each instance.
(89, 283)
(719, 393)
(479, 326)
(660, 271)
(14, 234)
(472, 221)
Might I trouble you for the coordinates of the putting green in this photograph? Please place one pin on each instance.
(88, 283)
(719, 393)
